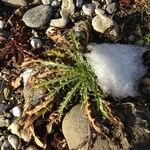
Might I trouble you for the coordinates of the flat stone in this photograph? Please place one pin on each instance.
(75, 127)
(101, 23)
(76, 130)
(38, 16)
(59, 23)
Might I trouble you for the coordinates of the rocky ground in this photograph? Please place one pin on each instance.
(35, 32)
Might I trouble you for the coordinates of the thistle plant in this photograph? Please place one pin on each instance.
(77, 77)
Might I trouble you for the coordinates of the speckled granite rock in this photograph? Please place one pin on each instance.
(38, 16)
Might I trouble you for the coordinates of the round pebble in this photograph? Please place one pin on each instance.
(88, 9)
(59, 23)
(102, 23)
(17, 111)
(36, 43)
(38, 16)
(14, 141)
(55, 3)
(99, 11)
(79, 3)
(7, 122)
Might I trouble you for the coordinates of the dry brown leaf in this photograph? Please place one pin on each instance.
(52, 119)
(16, 83)
(41, 106)
(37, 141)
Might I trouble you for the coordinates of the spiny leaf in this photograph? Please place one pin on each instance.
(68, 98)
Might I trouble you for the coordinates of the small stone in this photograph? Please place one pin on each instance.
(2, 108)
(17, 111)
(8, 115)
(59, 23)
(75, 127)
(7, 122)
(16, 129)
(26, 75)
(2, 24)
(99, 11)
(31, 147)
(46, 2)
(55, 3)
(14, 141)
(88, 9)
(101, 23)
(68, 5)
(51, 30)
(79, 3)
(111, 8)
(6, 145)
(38, 16)
(36, 43)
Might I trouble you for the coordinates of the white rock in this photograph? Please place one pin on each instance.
(14, 141)
(51, 30)
(7, 122)
(16, 129)
(36, 43)
(2, 24)
(99, 11)
(88, 9)
(55, 3)
(17, 111)
(26, 75)
(117, 67)
(101, 23)
(59, 23)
